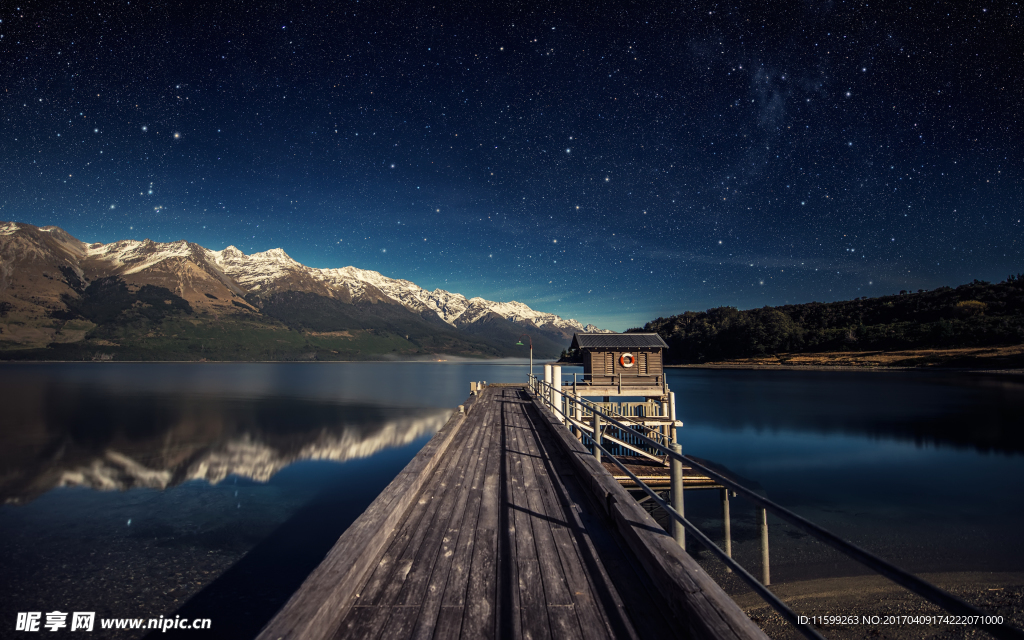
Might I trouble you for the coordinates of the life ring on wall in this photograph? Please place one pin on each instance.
(627, 360)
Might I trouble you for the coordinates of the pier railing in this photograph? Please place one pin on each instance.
(570, 409)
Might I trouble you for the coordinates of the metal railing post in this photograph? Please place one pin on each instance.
(678, 532)
(727, 525)
(556, 389)
(597, 436)
(547, 383)
(766, 576)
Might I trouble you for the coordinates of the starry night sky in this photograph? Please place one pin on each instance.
(608, 161)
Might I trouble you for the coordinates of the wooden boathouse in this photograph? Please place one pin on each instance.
(621, 364)
(505, 525)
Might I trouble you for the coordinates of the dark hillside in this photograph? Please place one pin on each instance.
(971, 315)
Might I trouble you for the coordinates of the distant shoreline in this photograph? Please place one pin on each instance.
(722, 366)
(1007, 360)
(458, 360)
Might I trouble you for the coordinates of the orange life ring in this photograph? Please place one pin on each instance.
(627, 360)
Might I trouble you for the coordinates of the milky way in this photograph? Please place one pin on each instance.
(610, 162)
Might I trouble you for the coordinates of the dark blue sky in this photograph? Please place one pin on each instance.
(608, 161)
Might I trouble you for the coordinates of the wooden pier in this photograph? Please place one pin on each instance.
(502, 526)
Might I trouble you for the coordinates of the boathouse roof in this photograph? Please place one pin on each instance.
(617, 341)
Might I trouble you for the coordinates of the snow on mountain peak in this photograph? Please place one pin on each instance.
(450, 307)
(256, 271)
(274, 255)
(275, 270)
(138, 255)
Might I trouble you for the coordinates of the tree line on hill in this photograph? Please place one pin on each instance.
(971, 315)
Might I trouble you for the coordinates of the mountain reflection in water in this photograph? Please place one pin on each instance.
(101, 437)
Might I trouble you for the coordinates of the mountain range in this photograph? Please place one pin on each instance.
(61, 298)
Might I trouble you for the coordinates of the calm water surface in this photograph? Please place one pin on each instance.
(138, 489)
(925, 469)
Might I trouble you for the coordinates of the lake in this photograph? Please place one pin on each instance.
(139, 489)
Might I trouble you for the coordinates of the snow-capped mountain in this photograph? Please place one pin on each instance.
(47, 267)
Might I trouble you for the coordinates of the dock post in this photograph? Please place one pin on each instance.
(597, 436)
(672, 407)
(547, 380)
(766, 578)
(574, 411)
(556, 392)
(678, 532)
(727, 524)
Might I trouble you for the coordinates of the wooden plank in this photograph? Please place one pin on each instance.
(603, 558)
(360, 623)
(401, 622)
(431, 592)
(532, 612)
(564, 576)
(538, 483)
(481, 597)
(379, 592)
(576, 548)
(403, 551)
(611, 615)
(324, 598)
(396, 561)
(434, 541)
(508, 622)
(373, 589)
(406, 585)
(449, 623)
(458, 577)
(632, 605)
